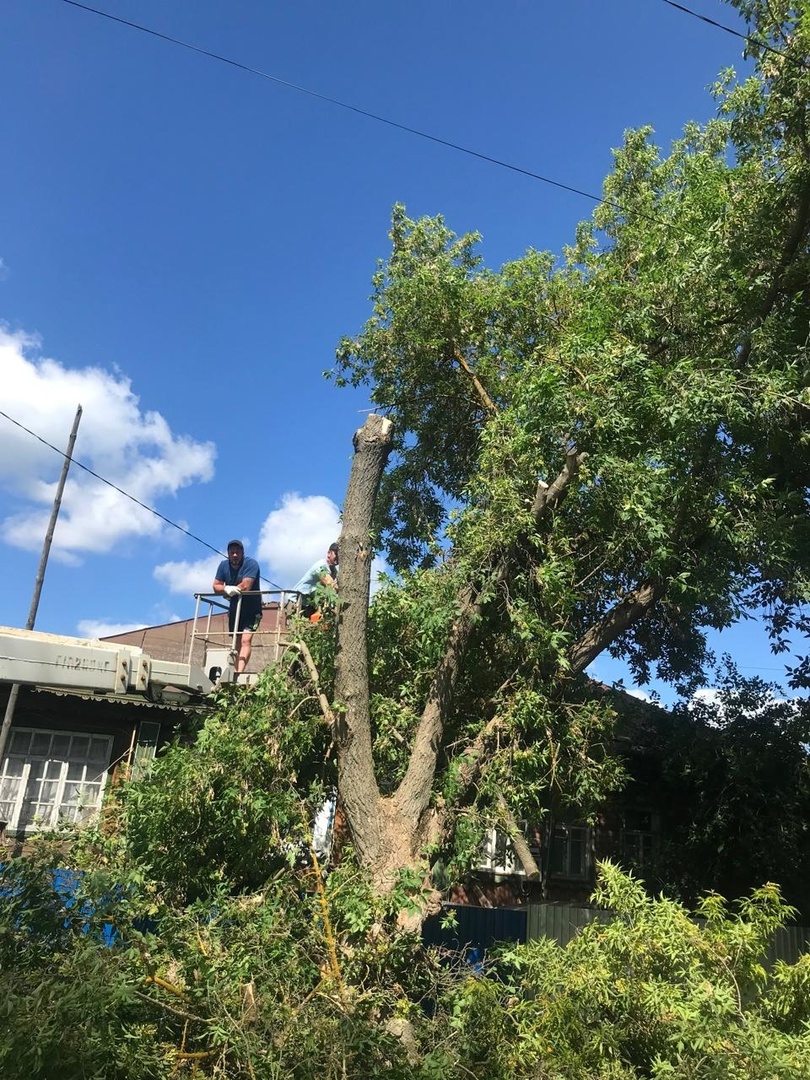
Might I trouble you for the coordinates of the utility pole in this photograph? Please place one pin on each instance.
(5, 731)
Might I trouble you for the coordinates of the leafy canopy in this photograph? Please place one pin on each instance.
(668, 343)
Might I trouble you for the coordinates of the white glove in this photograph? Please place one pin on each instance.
(231, 591)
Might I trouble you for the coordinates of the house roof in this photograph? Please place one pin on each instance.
(116, 699)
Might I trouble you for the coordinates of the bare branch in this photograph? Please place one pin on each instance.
(472, 758)
(549, 497)
(486, 400)
(169, 1008)
(515, 834)
(634, 606)
(301, 648)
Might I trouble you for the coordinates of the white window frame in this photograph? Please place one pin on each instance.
(497, 854)
(38, 765)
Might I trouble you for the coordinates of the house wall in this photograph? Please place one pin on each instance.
(135, 729)
(506, 886)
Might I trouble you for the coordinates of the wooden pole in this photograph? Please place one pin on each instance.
(11, 705)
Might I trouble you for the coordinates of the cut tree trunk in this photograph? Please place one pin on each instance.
(390, 834)
(357, 783)
(386, 839)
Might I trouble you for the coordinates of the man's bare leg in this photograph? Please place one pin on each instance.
(243, 647)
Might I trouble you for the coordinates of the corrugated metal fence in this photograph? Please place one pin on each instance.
(480, 928)
(561, 922)
(476, 927)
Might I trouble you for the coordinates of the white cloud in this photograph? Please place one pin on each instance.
(709, 695)
(95, 628)
(4, 270)
(299, 532)
(378, 566)
(133, 449)
(295, 535)
(187, 578)
(642, 695)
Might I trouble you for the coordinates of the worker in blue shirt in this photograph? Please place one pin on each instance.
(236, 576)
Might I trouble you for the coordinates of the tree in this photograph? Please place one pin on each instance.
(602, 452)
(730, 776)
(652, 994)
(606, 451)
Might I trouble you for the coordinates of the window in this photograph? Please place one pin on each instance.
(569, 855)
(639, 835)
(497, 854)
(52, 776)
(145, 749)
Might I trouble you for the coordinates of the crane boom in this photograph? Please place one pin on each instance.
(29, 657)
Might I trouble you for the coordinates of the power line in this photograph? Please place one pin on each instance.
(749, 39)
(120, 490)
(247, 68)
(345, 105)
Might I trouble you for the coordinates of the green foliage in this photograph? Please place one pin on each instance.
(240, 799)
(549, 749)
(669, 344)
(731, 776)
(409, 621)
(653, 993)
(296, 980)
(68, 1005)
(301, 976)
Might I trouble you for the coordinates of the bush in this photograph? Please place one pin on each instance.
(655, 994)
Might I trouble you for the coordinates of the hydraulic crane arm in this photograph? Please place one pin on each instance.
(31, 658)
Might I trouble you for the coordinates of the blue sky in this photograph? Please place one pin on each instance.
(183, 244)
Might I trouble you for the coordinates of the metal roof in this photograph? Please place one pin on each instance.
(117, 699)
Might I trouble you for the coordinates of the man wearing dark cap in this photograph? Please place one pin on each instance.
(236, 576)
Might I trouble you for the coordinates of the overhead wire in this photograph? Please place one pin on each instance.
(749, 39)
(86, 468)
(600, 200)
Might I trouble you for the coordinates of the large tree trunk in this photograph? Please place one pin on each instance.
(370, 826)
(386, 838)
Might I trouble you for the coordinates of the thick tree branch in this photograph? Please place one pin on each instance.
(471, 760)
(547, 497)
(795, 238)
(356, 778)
(413, 795)
(489, 405)
(634, 606)
(518, 840)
